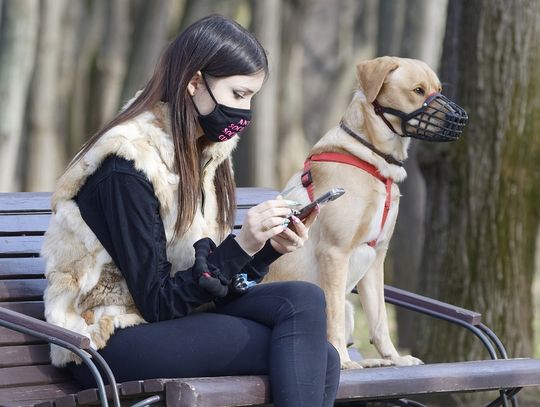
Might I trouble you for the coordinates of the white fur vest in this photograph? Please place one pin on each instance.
(85, 291)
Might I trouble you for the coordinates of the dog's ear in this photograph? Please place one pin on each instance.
(372, 73)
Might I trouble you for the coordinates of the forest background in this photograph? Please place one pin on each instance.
(469, 218)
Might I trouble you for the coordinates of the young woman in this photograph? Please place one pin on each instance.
(140, 241)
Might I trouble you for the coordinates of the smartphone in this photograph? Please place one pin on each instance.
(331, 195)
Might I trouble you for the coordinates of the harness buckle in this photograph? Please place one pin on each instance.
(306, 178)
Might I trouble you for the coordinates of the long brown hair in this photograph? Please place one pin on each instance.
(219, 47)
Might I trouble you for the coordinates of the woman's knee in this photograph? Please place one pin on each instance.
(303, 297)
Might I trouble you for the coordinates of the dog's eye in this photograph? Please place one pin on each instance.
(420, 91)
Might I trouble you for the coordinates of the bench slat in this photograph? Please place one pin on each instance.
(248, 196)
(367, 384)
(22, 290)
(10, 396)
(32, 375)
(11, 356)
(22, 267)
(219, 391)
(13, 246)
(438, 377)
(34, 309)
(41, 201)
(9, 337)
(25, 201)
(24, 224)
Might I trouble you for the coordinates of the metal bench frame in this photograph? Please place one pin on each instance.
(198, 391)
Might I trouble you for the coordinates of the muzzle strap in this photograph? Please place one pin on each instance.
(438, 119)
(379, 110)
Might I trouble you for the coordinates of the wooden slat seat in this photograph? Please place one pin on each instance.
(27, 378)
(373, 383)
(30, 395)
(25, 370)
(22, 355)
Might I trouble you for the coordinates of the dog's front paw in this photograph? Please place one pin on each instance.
(407, 360)
(376, 362)
(350, 364)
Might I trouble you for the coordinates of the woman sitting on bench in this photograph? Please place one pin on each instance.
(140, 242)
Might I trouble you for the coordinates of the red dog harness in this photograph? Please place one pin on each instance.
(307, 181)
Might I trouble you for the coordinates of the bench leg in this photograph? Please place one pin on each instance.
(505, 396)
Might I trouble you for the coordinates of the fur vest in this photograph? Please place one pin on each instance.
(85, 291)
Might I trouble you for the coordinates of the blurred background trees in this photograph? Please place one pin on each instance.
(66, 67)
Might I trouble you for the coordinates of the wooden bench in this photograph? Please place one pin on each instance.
(27, 377)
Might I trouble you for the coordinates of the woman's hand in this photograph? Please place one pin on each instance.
(294, 236)
(263, 222)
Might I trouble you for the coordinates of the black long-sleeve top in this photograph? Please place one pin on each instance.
(118, 203)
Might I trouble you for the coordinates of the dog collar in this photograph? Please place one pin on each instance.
(387, 157)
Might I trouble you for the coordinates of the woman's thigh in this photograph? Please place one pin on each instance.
(202, 344)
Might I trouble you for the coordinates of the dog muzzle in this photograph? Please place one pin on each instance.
(439, 119)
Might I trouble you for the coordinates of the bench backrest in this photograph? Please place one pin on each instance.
(25, 370)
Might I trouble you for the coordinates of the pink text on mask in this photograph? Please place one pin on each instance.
(233, 128)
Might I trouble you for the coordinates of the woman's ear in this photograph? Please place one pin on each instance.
(194, 83)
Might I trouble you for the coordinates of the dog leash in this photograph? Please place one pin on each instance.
(307, 180)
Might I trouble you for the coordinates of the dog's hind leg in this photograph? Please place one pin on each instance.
(371, 291)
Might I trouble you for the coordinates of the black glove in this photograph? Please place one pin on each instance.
(206, 274)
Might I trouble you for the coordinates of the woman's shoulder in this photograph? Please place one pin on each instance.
(113, 166)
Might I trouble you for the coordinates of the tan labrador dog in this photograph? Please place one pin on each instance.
(338, 255)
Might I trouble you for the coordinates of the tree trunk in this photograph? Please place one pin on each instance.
(177, 11)
(112, 59)
(356, 42)
(18, 37)
(321, 64)
(292, 146)
(70, 43)
(263, 146)
(391, 25)
(88, 39)
(327, 85)
(150, 36)
(482, 192)
(421, 39)
(45, 149)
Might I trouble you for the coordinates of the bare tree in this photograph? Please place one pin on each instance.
(292, 146)
(320, 63)
(45, 150)
(150, 37)
(267, 27)
(88, 38)
(323, 42)
(421, 38)
(18, 37)
(391, 26)
(482, 192)
(112, 59)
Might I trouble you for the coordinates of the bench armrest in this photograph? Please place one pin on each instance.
(41, 329)
(78, 344)
(404, 298)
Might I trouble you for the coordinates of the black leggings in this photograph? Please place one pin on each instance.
(277, 329)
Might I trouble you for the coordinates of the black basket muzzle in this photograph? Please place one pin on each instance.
(439, 119)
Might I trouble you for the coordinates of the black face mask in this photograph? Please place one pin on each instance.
(224, 122)
(439, 119)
